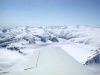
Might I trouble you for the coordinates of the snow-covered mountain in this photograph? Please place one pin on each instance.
(19, 37)
(94, 57)
(32, 35)
(84, 39)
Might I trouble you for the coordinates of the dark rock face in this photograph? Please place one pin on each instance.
(95, 58)
(43, 39)
(6, 42)
(54, 39)
(14, 48)
(4, 30)
(30, 40)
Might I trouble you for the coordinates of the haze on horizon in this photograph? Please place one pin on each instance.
(49, 12)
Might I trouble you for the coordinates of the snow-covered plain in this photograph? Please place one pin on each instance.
(18, 45)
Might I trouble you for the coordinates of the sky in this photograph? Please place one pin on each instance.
(49, 12)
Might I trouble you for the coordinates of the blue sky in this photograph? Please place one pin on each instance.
(49, 12)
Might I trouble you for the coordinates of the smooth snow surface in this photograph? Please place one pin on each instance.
(54, 61)
(11, 61)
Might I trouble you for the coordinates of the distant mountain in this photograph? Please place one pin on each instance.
(19, 37)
